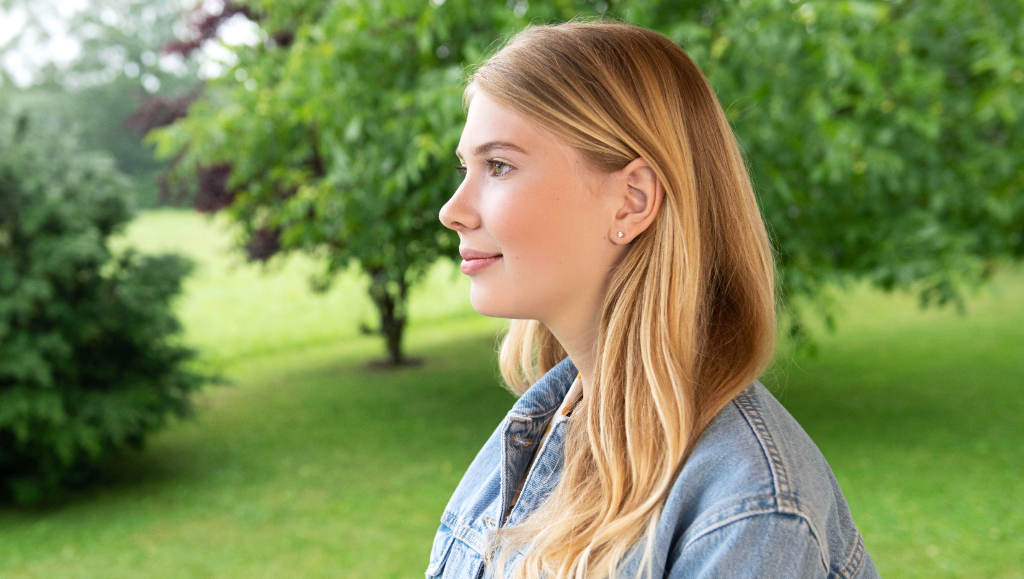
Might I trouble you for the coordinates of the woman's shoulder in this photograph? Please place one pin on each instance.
(755, 465)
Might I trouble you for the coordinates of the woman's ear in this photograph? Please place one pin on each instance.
(640, 193)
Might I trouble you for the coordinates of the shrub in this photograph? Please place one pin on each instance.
(90, 362)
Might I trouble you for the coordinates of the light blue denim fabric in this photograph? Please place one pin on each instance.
(755, 499)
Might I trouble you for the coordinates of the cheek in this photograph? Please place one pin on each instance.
(547, 234)
(535, 229)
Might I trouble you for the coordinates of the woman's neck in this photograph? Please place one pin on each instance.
(576, 328)
(580, 343)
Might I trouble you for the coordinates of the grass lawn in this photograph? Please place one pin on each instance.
(311, 465)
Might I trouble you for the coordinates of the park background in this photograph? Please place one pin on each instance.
(316, 141)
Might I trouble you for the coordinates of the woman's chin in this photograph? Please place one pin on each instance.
(488, 310)
(489, 305)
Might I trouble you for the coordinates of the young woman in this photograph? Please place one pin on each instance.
(607, 212)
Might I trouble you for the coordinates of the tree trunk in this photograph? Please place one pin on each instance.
(390, 298)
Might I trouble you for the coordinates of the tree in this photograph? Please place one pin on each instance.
(882, 136)
(90, 362)
(336, 136)
(116, 67)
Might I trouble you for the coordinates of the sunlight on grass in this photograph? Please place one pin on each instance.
(312, 465)
(234, 309)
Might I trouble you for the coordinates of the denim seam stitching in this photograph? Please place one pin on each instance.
(462, 531)
(787, 498)
(715, 522)
(779, 473)
(503, 483)
(856, 559)
(529, 475)
(756, 512)
(434, 566)
(727, 521)
(520, 415)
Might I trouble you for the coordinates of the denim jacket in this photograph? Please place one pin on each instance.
(755, 499)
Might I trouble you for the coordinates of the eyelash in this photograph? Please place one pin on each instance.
(462, 169)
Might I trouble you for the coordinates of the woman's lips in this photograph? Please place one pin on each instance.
(474, 260)
(471, 266)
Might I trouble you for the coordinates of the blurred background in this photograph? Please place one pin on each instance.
(234, 341)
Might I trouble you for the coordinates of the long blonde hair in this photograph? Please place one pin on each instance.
(689, 318)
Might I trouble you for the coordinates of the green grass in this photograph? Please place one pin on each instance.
(233, 310)
(312, 465)
(920, 415)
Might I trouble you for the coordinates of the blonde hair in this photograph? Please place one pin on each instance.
(689, 318)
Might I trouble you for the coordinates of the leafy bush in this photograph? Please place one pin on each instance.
(89, 363)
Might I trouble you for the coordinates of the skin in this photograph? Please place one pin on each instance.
(551, 222)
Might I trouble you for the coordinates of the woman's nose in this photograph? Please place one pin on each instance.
(459, 212)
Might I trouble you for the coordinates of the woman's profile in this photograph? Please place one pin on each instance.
(607, 212)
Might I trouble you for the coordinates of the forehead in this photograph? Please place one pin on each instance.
(487, 121)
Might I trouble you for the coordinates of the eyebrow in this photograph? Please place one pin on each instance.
(489, 146)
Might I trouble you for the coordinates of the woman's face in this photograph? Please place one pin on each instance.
(535, 222)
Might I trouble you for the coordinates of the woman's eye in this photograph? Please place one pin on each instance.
(499, 169)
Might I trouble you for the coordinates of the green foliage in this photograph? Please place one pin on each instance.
(883, 137)
(118, 68)
(341, 137)
(88, 360)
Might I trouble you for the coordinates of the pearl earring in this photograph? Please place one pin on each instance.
(620, 234)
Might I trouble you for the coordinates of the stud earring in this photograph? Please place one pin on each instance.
(620, 234)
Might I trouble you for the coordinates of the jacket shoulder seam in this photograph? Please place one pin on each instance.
(787, 499)
(765, 511)
(855, 561)
(780, 478)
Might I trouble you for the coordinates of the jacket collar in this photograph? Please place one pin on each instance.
(547, 393)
